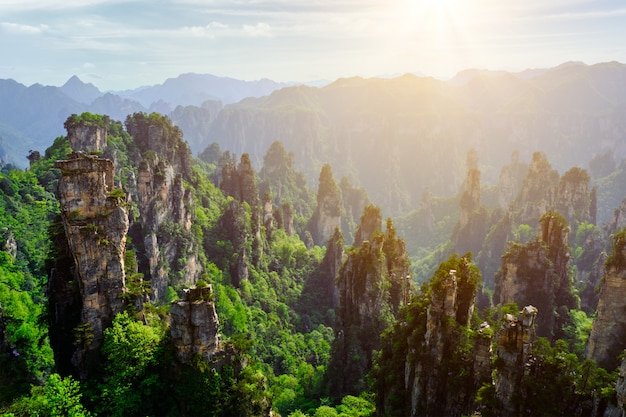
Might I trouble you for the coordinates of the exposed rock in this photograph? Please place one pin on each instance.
(573, 196)
(618, 220)
(538, 190)
(620, 389)
(470, 196)
(537, 273)
(87, 138)
(510, 182)
(327, 215)
(469, 233)
(514, 349)
(10, 245)
(606, 340)
(288, 219)
(366, 283)
(237, 229)
(165, 206)
(331, 265)
(166, 216)
(371, 221)
(433, 371)
(482, 356)
(195, 326)
(96, 226)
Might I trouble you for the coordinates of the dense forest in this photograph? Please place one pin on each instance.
(138, 280)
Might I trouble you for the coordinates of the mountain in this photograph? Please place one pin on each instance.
(195, 89)
(82, 92)
(402, 136)
(31, 117)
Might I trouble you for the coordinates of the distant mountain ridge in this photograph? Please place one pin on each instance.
(195, 89)
(398, 136)
(31, 117)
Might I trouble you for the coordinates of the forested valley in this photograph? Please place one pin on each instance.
(137, 280)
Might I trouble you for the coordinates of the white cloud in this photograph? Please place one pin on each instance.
(260, 30)
(19, 29)
(210, 31)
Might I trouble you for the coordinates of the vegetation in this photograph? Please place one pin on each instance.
(307, 330)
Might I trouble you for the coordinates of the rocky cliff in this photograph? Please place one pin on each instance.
(514, 350)
(367, 282)
(194, 326)
(606, 340)
(442, 380)
(87, 138)
(537, 273)
(510, 181)
(327, 215)
(95, 224)
(473, 225)
(165, 204)
(538, 190)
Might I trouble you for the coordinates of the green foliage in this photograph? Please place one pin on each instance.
(577, 333)
(26, 211)
(85, 119)
(286, 185)
(524, 233)
(132, 351)
(617, 259)
(59, 397)
(558, 382)
(44, 169)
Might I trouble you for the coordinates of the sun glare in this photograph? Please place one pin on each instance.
(436, 30)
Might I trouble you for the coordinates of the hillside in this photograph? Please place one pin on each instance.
(136, 280)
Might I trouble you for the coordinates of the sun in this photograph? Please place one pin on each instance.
(436, 33)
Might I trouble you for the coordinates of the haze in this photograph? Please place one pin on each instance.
(118, 44)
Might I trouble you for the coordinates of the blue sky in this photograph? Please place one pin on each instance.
(118, 44)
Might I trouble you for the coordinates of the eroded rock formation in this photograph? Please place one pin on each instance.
(95, 225)
(537, 273)
(606, 340)
(431, 377)
(165, 205)
(87, 138)
(510, 182)
(514, 349)
(195, 326)
(327, 215)
(367, 282)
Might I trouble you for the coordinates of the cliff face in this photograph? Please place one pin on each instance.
(510, 182)
(538, 190)
(95, 224)
(327, 215)
(87, 138)
(434, 380)
(609, 327)
(538, 273)
(573, 196)
(470, 196)
(370, 284)
(514, 349)
(165, 206)
(195, 326)
(473, 225)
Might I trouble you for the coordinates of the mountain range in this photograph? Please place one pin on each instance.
(31, 117)
(397, 137)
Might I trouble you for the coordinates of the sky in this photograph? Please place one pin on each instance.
(123, 44)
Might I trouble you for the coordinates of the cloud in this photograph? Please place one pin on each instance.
(210, 31)
(260, 30)
(19, 29)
